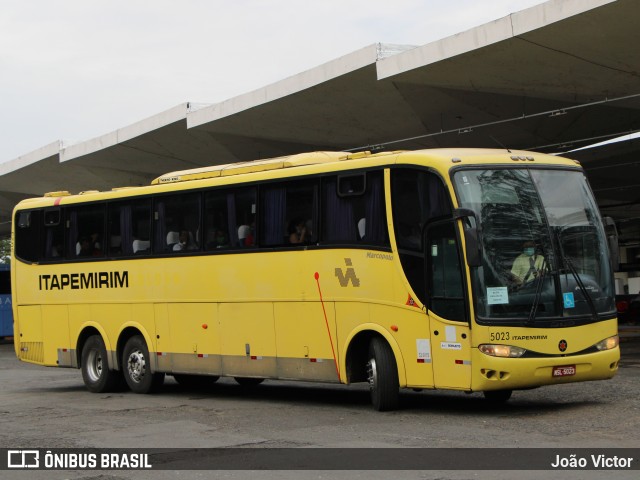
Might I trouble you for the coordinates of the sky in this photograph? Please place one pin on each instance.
(72, 70)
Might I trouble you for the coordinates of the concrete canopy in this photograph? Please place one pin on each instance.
(557, 76)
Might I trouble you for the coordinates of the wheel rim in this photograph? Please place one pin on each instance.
(94, 366)
(372, 373)
(136, 365)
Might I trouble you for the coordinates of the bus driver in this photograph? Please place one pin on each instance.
(527, 265)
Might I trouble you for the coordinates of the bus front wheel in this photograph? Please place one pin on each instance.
(95, 367)
(137, 367)
(382, 375)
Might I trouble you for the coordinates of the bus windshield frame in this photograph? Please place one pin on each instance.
(545, 258)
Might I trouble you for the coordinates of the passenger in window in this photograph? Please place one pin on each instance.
(220, 239)
(298, 231)
(88, 246)
(245, 235)
(185, 242)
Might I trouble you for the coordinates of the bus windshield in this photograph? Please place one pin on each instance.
(544, 252)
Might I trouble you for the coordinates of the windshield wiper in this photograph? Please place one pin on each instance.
(569, 264)
(536, 299)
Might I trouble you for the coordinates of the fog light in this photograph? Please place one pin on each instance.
(501, 350)
(608, 343)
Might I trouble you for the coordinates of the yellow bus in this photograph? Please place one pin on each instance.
(470, 270)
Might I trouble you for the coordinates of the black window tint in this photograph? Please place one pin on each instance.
(177, 223)
(354, 209)
(445, 283)
(85, 231)
(289, 214)
(130, 227)
(230, 219)
(245, 217)
(216, 217)
(53, 235)
(27, 235)
(418, 197)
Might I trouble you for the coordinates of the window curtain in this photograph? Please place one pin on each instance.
(274, 216)
(231, 220)
(339, 222)
(126, 230)
(160, 238)
(376, 225)
(438, 204)
(314, 216)
(72, 239)
(48, 247)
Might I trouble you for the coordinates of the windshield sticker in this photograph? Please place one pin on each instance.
(568, 300)
(424, 350)
(497, 295)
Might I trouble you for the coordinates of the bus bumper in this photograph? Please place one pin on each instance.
(494, 373)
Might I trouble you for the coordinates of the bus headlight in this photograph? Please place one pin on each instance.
(501, 350)
(608, 343)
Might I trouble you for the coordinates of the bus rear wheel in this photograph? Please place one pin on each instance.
(95, 367)
(382, 375)
(136, 366)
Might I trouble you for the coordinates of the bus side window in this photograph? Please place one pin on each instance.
(354, 209)
(27, 233)
(229, 219)
(289, 213)
(53, 235)
(417, 197)
(129, 227)
(176, 223)
(85, 231)
(216, 214)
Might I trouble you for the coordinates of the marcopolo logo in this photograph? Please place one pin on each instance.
(23, 459)
(348, 277)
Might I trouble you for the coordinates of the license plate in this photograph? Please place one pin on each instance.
(564, 371)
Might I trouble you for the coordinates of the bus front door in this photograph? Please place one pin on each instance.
(448, 318)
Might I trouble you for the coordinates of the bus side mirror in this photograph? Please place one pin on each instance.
(471, 235)
(612, 240)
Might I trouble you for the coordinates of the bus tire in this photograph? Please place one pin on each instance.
(137, 367)
(95, 367)
(382, 375)
(195, 381)
(248, 381)
(497, 396)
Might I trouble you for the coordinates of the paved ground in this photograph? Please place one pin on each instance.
(50, 408)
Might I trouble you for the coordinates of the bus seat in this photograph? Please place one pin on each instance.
(140, 246)
(362, 227)
(243, 232)
(172, 239)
